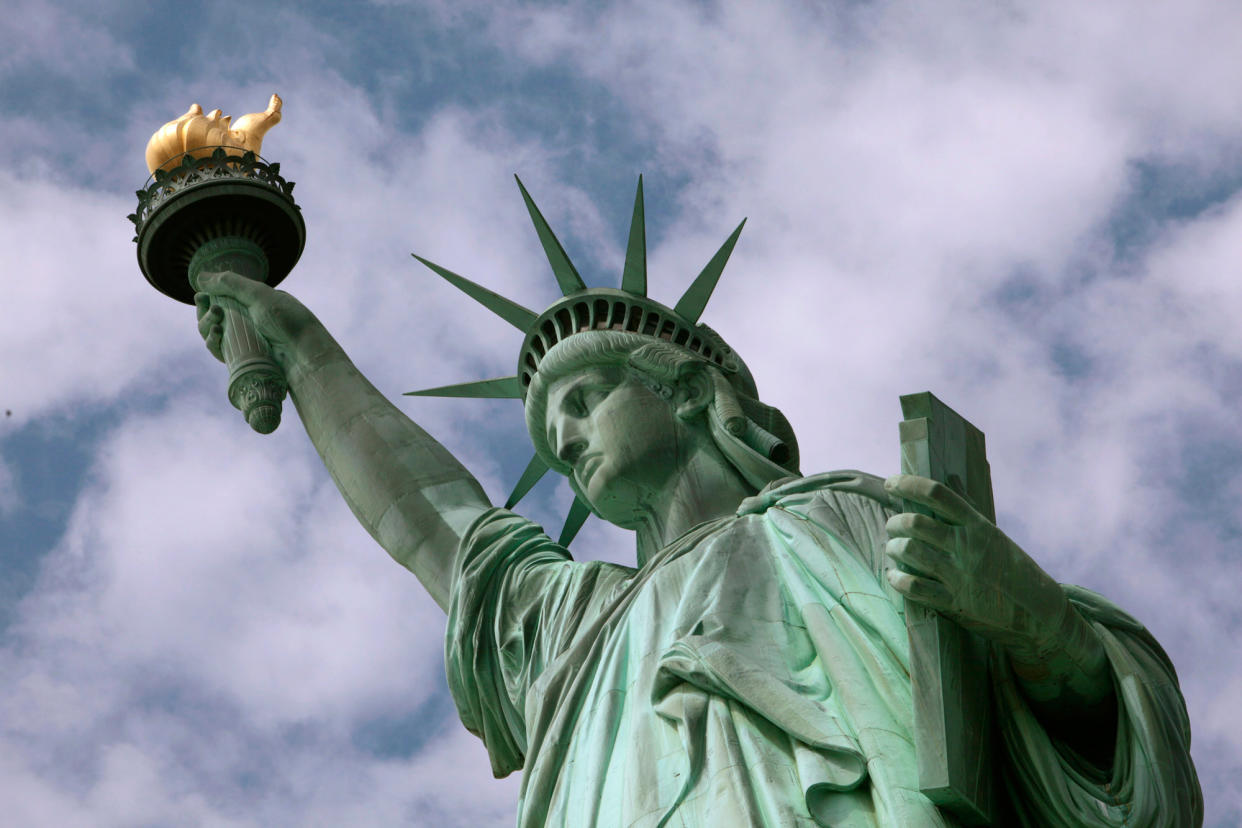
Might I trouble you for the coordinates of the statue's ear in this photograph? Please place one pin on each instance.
(694, 393)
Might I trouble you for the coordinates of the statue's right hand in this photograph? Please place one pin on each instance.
(278, 317)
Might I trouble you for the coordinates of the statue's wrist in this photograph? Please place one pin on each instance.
(309, 354)
(1070, 657)
(1049, 637)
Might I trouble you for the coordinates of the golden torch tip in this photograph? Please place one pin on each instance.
(200, 134)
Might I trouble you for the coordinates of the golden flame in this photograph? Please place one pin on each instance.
(200, 134)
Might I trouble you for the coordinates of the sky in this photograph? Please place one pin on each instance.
(1033, 210)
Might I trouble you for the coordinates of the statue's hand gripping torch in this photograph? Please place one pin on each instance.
(213, 205)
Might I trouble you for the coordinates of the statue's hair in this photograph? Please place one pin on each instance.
(740, 424)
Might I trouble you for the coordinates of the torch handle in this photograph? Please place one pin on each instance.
(256, 384)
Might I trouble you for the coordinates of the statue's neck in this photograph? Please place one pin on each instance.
(707, 487)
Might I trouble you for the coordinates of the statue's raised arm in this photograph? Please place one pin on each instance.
(217, 226)
(409, 492)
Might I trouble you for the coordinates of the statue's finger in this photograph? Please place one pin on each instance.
(213, 338)
(927, 529)
(917, 558)
(946, 503)
(226, 283)
(926, 591)
(208, 319)
(202, 304)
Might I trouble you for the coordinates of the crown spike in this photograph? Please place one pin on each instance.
(566, 275)
(535, 470)
(578, 513)
(502, 388)
(690, 306)
(634, 274)
(513, 313)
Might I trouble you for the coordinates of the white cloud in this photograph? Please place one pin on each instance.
(234, 565)
(51, 39)
(205, 604)
(80, 324)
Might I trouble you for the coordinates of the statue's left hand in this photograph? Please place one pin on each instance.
(959, 563)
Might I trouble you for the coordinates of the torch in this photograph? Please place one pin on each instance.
(211, 205)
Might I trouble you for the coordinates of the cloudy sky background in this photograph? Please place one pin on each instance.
(1034, 210)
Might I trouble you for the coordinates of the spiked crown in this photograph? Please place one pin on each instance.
(584, 309)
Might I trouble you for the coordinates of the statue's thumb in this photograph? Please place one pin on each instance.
(219, 285)
(219, 282)
(207, 283)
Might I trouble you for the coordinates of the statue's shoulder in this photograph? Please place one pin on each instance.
(827, 487)
(851, 506)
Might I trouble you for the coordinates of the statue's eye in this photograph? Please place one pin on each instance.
(591, 396)
(577, 404)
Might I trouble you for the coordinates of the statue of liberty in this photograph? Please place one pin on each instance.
(752, 668)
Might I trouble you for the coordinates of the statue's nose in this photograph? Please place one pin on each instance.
(572, 452)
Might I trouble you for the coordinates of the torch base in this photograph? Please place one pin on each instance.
(212, 198)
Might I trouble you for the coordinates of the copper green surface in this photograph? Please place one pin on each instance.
(753, 667)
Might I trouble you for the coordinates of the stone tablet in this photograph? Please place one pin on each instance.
(948, 665)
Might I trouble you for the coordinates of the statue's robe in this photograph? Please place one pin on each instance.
(755, 672)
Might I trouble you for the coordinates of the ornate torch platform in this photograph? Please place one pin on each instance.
(212, 204)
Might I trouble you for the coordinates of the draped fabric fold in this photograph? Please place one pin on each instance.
(1152, 780)
(756, 672)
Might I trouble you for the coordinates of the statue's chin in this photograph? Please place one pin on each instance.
(632, 522)
(613, 506)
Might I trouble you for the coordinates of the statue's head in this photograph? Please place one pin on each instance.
(618, 413)
(646, 380)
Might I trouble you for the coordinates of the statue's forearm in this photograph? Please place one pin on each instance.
(414, 497)
(1068, 683)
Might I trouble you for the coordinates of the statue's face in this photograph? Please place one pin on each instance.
(623, 442)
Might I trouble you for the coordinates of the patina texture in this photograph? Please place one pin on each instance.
(756, 672)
